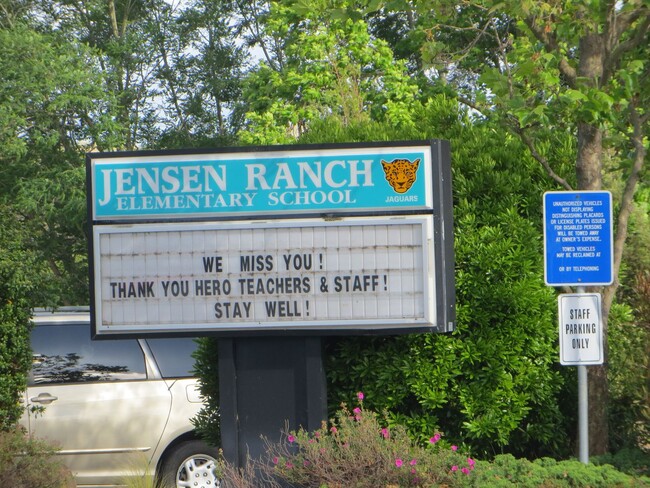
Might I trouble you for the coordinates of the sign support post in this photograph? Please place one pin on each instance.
(581, 344)
(583, 408)
(267, 385)
(583, 414)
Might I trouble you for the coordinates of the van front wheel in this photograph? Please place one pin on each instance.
(190, 464)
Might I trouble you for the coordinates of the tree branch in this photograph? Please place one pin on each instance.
(640, 152)
(630, 44)
(541, 159)
(4, 10)
(113, 18)
(551, 46)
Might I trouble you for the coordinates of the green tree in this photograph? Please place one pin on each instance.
(120, 32)
(200, 73)
(545, 68)
(14, 11)
(173, 67)
(330, 67)
(48, 91)
(252, 21)
(18, 282)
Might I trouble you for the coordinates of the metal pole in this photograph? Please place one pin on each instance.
(583, 414)
(583, 409)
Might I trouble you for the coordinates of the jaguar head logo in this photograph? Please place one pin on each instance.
(401, 173)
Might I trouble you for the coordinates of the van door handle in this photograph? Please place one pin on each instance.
(44, 398)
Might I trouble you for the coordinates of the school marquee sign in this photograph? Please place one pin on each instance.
(330, 238)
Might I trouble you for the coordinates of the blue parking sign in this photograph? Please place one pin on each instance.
(578, 244)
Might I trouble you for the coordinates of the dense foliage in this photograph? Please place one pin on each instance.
(51, 107)
(493, 382)
(358, 449)
(207, 368)
(333, 67)
(16, 288)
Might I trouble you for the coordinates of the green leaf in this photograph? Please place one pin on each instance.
(574, 95)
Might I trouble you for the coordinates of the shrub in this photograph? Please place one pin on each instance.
(206, 367)
(358, 449)
(16, 291)
(629, 380)
(631, 461)
(29, 463)
(507, 472)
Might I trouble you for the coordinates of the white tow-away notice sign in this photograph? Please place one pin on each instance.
(328, 239)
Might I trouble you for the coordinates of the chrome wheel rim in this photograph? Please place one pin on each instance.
(197, 472)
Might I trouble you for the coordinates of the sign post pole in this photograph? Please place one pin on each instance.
(583, 414)
(268, 385)
(583, 408)
(581, 344)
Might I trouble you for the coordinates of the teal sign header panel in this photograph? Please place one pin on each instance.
(261, 183)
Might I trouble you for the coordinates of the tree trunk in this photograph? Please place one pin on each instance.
(589, 165)
(589, 177)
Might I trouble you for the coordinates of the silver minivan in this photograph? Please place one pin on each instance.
(116, 408)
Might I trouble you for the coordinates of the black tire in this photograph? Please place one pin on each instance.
(191, 463)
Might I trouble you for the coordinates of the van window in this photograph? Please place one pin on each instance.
(174, 356)
(65, 354)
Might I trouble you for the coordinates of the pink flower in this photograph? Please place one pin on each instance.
(360, 396)
(399, 462)
(334, 430)
(471, 462)
(413, 462)
(291, 439)
(275, 460)
(434, 439)
(385, 433)
(454, 448)
(454, 468)
(465, 471)
(289, 465)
